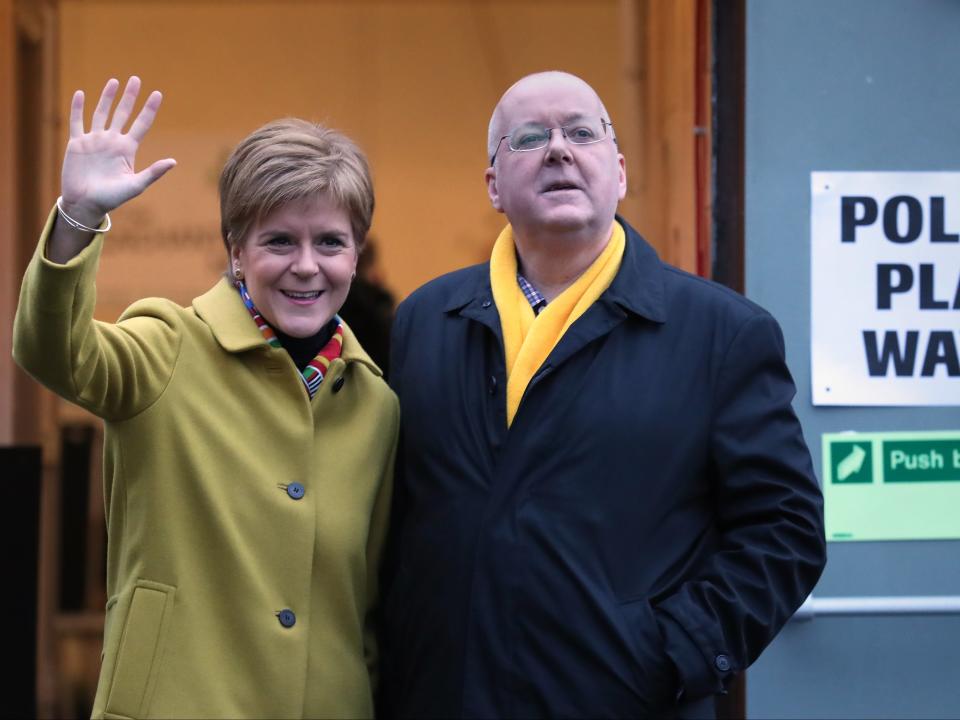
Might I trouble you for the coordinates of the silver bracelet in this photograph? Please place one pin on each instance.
(78, 225)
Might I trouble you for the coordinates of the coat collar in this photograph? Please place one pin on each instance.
(229, 320)
(353, 352)
(638, 286)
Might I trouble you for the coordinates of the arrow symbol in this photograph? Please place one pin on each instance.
(851, 464)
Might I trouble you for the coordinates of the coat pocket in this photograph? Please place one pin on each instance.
(655, 675)
(140, 649)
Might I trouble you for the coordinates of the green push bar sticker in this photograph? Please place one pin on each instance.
(892, 486)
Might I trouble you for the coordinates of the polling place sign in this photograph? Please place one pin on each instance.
(891, 486)
(885, 288)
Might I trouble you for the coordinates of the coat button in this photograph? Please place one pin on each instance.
(338, 384)
(485, 304)
(492, 388)
(287, 618)
(295, 490)
(722, 663)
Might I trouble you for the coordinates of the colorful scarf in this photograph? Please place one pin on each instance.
(527, 338)
(312, 374)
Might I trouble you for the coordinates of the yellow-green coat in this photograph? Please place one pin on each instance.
(206, 426)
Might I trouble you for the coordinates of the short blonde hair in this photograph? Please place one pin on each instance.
(288, 160)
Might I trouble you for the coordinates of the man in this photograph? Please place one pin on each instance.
(605, 506)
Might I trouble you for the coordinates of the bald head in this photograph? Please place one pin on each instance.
(517, 100)
(567, 189)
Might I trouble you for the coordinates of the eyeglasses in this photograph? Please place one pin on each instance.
(533, 136)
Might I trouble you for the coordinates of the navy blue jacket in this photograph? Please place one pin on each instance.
(642, 531)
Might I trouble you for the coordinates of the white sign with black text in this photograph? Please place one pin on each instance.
(885, 288)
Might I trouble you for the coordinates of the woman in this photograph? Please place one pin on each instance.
(249, 440)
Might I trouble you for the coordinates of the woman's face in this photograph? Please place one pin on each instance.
(297, 263)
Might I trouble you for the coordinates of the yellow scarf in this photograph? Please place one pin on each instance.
(527, 338)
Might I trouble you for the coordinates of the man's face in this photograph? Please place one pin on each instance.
(562, 187)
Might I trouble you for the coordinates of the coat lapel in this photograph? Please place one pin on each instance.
(637, 289)
(228, 318)
(474, 301)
